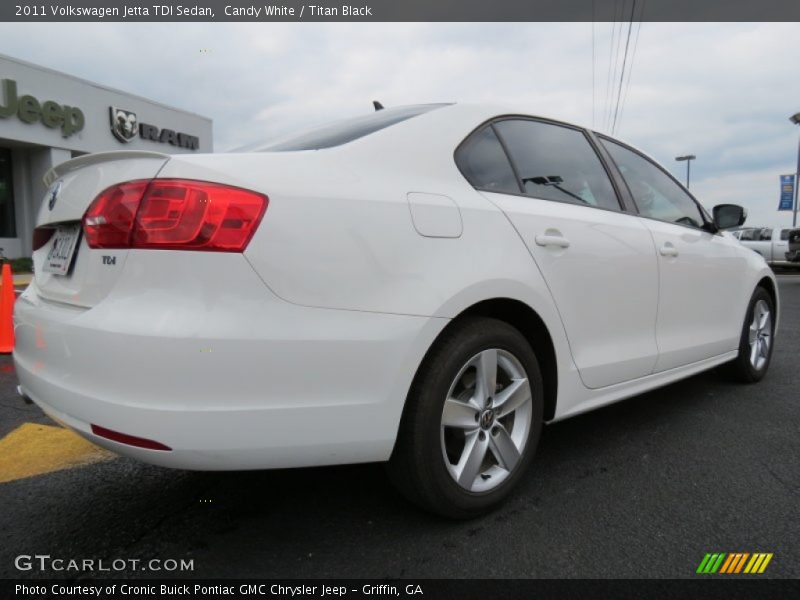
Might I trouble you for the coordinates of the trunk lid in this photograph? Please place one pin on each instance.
(73, 186)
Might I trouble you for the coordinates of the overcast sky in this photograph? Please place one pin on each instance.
(723, 92)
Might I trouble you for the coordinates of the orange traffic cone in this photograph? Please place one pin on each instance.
(7, 298)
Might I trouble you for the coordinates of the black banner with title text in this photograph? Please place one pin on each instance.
(396, 10)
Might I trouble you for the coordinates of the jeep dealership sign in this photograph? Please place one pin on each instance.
(41, 108)
(28, 109)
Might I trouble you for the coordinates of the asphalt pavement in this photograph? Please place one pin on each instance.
(643, 488)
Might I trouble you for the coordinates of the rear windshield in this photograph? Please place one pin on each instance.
(348, 130)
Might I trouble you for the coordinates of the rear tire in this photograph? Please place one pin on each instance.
(472, 420)
(756, 341)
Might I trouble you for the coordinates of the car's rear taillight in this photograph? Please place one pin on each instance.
(108, 222)
(174, 214)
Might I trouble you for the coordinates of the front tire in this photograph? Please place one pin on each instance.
(472, 421)
(756, 341)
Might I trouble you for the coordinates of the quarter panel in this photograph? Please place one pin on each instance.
(345, 239)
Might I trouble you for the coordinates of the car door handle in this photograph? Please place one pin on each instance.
(668, 250)
(552, 238)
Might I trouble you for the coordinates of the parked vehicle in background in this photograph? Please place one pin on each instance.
(770, 242)
(793, 253)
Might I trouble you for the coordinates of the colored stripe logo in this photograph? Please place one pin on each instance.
(730, 563)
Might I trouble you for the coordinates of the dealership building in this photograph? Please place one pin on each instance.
(47, 117)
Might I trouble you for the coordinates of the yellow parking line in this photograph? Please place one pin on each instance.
(33, 449)
(23, 279)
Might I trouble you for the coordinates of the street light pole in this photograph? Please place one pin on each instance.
(795, 118)
(688, 158)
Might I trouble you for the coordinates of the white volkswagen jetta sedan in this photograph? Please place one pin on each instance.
(426, 285)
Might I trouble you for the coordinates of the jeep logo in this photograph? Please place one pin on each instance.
(28, 109)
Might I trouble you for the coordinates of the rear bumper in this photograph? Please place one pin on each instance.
(219, 369)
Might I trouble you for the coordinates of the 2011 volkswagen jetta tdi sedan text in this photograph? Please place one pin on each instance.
(426, 285)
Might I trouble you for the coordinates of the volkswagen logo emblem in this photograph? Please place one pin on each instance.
(53, 195)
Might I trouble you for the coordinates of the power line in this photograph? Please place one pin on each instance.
(607, 103)
(633, 61)
(622, 72)
(613, 78)
(593, 68)
(618, 20)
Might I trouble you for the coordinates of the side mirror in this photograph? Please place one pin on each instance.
(728, 216)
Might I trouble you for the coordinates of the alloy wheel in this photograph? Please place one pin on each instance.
(760, 335)
(486, 420)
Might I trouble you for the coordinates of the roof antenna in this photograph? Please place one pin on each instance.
(378, 106)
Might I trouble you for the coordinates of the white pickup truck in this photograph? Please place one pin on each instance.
(772, 243)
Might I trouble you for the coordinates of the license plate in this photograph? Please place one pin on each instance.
(61, 252)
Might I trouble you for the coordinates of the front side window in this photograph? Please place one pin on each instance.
(748, 235)
(557, 163)
(766, 235)
(656, 194)
(484, 163)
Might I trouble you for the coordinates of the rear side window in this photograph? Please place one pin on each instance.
(785, 234)
(557, 163)
(656, 194)
(484, 163)
(348, 130)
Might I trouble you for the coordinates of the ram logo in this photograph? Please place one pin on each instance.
(124, 124)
